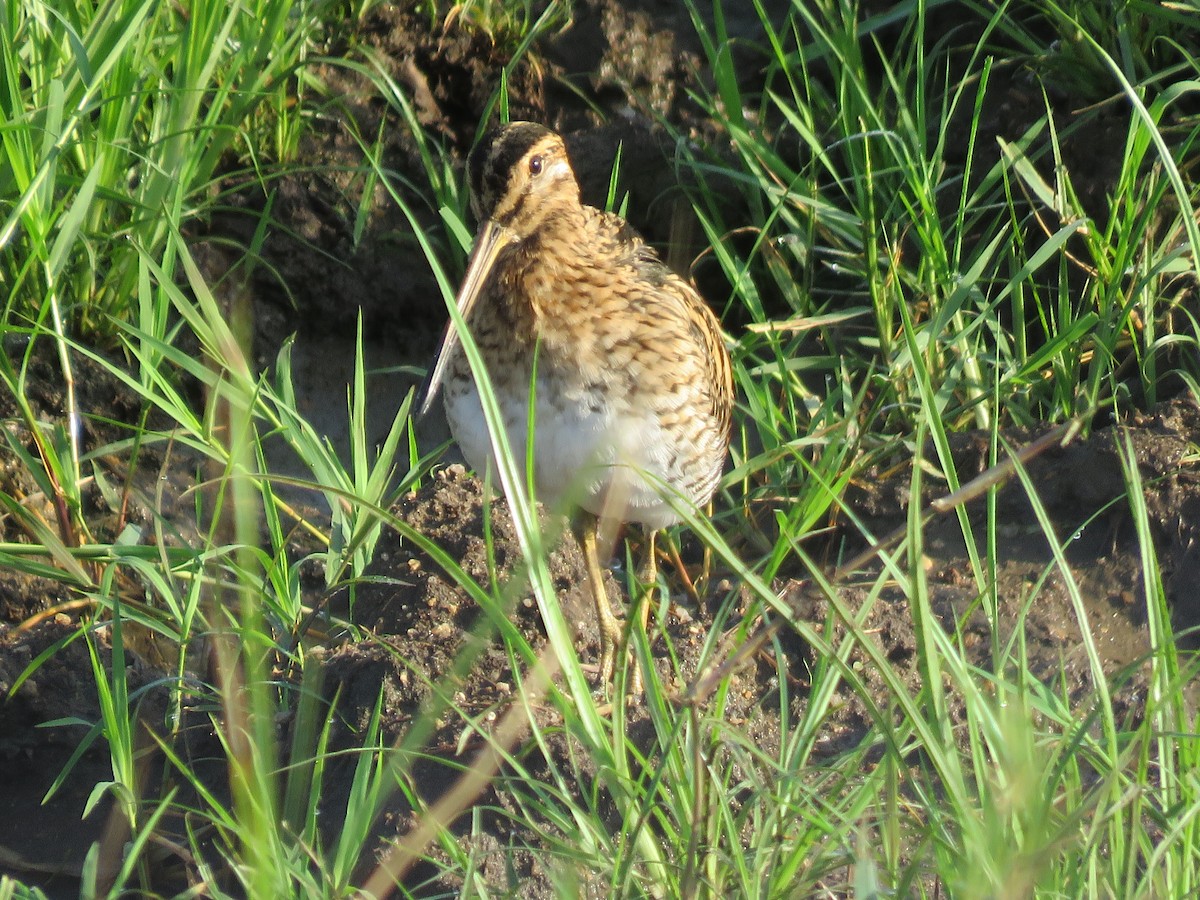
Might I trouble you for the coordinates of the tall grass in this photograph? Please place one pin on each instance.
(117, 119)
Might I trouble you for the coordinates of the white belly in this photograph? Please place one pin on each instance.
(585, 454)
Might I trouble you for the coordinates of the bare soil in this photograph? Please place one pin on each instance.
(633, 62)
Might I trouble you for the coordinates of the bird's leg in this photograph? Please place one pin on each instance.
(647, 577)
(610, 628)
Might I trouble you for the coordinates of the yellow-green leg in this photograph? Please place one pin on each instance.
(647, 577)
(610, 627)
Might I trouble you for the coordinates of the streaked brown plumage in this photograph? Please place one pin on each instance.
(634, 388)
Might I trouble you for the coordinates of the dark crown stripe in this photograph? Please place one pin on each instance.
(491, 162)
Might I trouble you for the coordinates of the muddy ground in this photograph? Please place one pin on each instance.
(632, 62)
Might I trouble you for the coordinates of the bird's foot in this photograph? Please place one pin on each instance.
(614, 639)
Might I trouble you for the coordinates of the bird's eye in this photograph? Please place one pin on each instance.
(535, 166)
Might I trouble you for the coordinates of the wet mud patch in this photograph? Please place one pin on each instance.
(1082, 490)
(49, 763)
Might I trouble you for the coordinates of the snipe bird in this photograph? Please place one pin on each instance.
(633, 387)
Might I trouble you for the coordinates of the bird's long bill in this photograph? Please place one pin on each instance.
(489, 241)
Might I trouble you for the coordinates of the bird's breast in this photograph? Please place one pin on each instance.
(590, 449)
